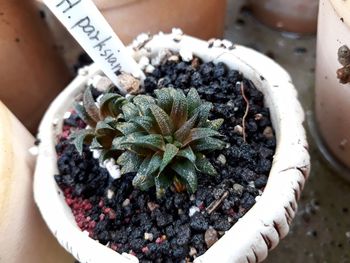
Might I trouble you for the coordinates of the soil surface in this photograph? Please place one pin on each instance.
(180, 226)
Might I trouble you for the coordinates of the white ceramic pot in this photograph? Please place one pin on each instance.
(332, 99)
(24, 237)
(260, 230)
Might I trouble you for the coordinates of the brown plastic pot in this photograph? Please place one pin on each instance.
(31, 71)
(299, 16)
(24, 236)
(332, 99)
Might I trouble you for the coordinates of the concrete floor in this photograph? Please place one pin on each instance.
(320, 232)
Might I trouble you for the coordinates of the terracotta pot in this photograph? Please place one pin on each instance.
(299, 16)
(267, 221)
(128, 18)
(332, 101)
(31, 71)
(24, 235)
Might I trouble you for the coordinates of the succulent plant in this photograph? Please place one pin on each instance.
(105, 123)
(163, 139)
(169, 144)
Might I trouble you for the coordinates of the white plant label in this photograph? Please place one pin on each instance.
(88, 26)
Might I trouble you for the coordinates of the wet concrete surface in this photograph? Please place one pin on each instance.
(320, 232)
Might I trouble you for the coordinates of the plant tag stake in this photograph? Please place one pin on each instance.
(88, 26)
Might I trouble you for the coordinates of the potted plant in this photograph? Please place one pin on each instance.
(189, 165)
(332, 84)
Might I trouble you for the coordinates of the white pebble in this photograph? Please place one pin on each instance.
(148, 236)
(67, 115)
(238, 129)
(143, 62)
(222, 159)
(101, 83)
(83, 71)
(161, 56)
(226, 43)
(186, 54)
(192, 252)
(251, 184)
(126, 202)
(149, 68)
(96, 153)
(217, 43)
(177, 31)
(140, 40)
(34, 150)
(193, 210)
(347, 234)
(110, 194)
(112, 168)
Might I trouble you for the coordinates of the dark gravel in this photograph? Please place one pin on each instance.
(136, 222)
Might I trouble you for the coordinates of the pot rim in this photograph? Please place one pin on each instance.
(261, 228)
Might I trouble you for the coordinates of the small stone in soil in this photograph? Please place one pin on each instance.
(210, 236)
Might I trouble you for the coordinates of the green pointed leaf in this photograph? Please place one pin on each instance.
(130, 111)
(179, 108)
(81, 137)
(200, 133)
(129, 162)
(105, 141)
(141, 179)
(84, 115)
(207, 144)
(164, 123)
(152, 141)
(214, 124)
(127, 127)
(164, 99)
(169, 154)
(145, 122)
(203, 113)
(143, 102)
(90, 106)
(102, 128)
(186, 170)
(187, 153)
(110, 104)
(162, 182)
(193, 101)
(95, 145)
(144, 178)
(203, 165)
(182, 133)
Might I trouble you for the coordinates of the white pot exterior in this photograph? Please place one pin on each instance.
(260, 230)
(24, 237)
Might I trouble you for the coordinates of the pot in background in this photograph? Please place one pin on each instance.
(24, 235)
(298, 16)
(31, 71)
(129, 18)
(332, 99)
(265, 223)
